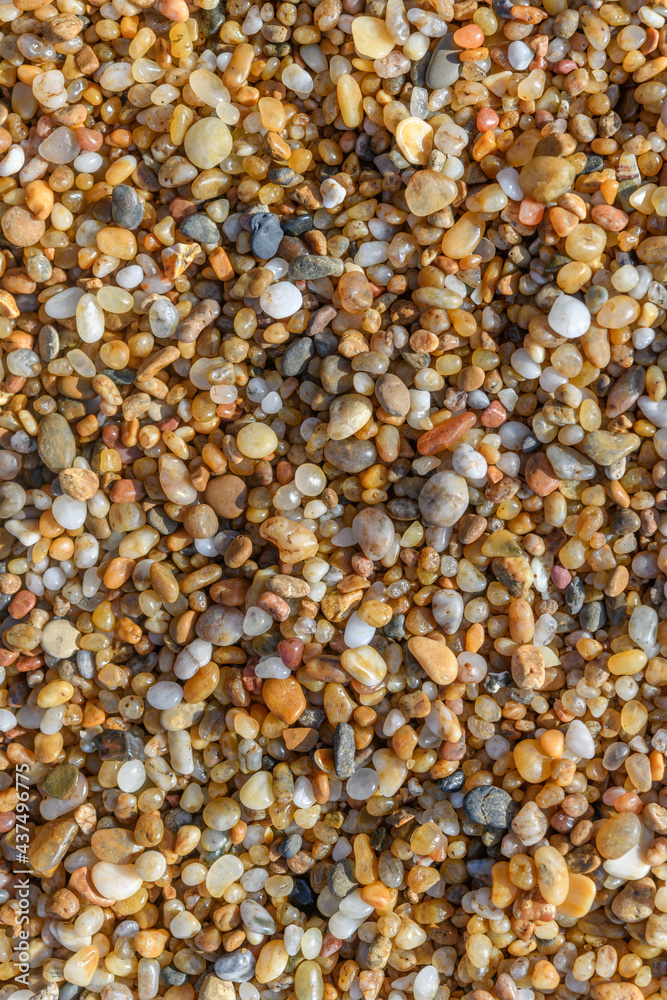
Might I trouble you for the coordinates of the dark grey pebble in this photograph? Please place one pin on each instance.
(173, 976)
(296, 356)
(403, 509)
(291, 845)
(157, 519)
(593, 616)
(200, 228)
(490, 806)
(121, 376)
(390, 870)
(281, 175)
(210, 21)
(49, 343)
(342, 879)
(127, 210)
(297, 224)
(343, 750)
(444, 68)
(267, 235)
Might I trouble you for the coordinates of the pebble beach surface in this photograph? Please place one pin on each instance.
(333, 500)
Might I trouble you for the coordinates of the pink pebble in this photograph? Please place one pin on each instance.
(561, 577)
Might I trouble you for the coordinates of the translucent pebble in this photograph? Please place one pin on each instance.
(12, 161)
(426, 983)
(271, 666)
(297, 79)
(164, 694)
(131, 776)
(63, 304)
(69, 513)
(362, 784)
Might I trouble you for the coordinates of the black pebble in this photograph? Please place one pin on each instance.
(494, 682)
(201, 228)
(296, 357)
(127, 211)
(267, 235)
(530, 443)
(453, 782)
(297, 224)
(302, 896)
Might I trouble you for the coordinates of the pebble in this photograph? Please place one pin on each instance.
(443, 499)
(444, 67)
(55, 443)
(127, 211)
(227, 495)
(266, 237)
(297, 356)
(200, 227)
(490, 806)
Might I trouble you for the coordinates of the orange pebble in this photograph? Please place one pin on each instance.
(530, 212)
(629, 802)
(487, 119)
(470, 36)
(553, 742)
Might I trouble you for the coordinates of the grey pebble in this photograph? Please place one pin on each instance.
(444, 68)
(296, 356)
(267, 235)
(490, 806)
(200, 228)
(127, 210)
(343, 750)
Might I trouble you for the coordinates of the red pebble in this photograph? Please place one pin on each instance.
(330, 946)
(7, 821)
(21, 604)
(251, 681)
(110, 434)
(89, 139)
(290, 652)
(565, 66)
(494, 415)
